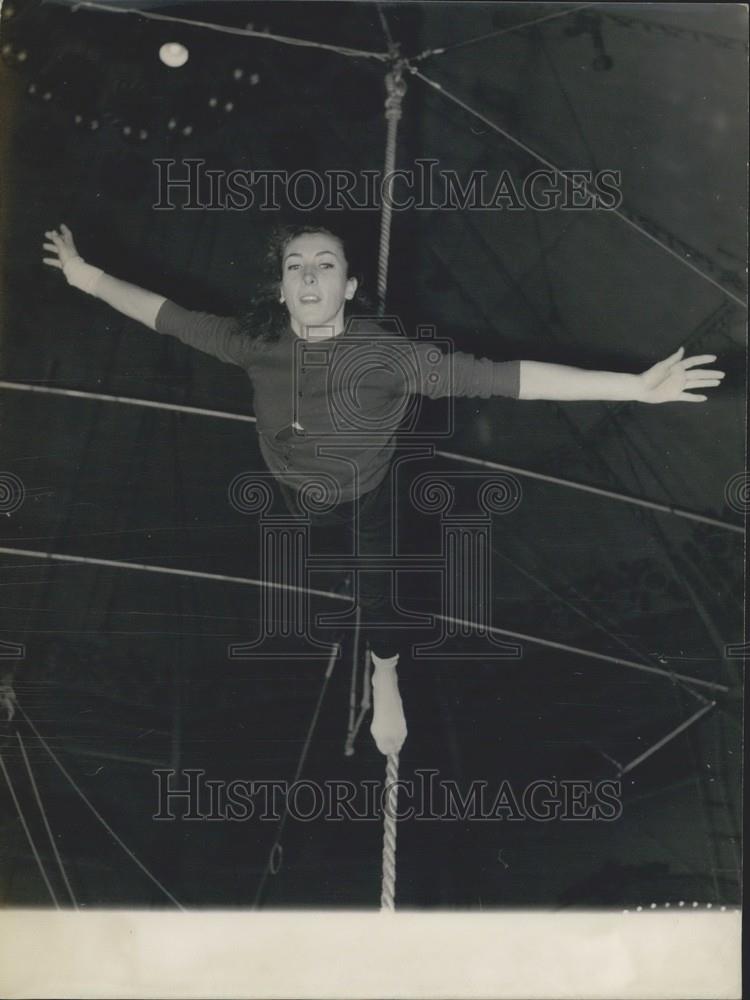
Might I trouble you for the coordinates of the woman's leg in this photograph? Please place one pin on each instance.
(377, 511)
(333, 531)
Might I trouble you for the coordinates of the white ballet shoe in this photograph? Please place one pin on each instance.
(388, 726)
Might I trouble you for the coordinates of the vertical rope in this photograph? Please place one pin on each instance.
(350, 732)
(388, 882)
(396, 88)
(364, 705)
(276, 854)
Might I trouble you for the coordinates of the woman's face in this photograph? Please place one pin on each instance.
(315, 286)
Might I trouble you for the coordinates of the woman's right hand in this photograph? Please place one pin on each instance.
(62, 245)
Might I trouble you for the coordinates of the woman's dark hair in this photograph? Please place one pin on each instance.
(266, 317)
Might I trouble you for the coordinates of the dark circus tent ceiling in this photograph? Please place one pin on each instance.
(655, 93)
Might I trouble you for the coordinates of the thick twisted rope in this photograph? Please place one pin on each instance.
(396, 87)
(388, 882)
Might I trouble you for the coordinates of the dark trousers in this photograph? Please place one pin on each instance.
(371, 517)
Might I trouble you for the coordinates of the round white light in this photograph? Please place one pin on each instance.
(173, 54)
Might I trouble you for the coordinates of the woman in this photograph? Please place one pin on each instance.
(303, 361)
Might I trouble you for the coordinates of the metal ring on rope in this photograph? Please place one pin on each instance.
(276, 859)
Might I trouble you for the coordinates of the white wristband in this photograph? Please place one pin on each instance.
(81, 275)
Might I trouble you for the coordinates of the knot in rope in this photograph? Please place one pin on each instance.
(395, 86)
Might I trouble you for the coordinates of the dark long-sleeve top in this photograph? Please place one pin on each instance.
(328, 411)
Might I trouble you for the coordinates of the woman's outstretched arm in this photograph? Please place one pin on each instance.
(668, 381)
(459, 374)
(137, 303)
(219, 336)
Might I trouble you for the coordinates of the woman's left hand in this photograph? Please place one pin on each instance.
(668, 381)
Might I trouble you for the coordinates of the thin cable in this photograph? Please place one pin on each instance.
(596, 490)
(496, 34)
(591, 654)
(27, 831)
(149, 568)
(349, 742)
(43, 812)
(676, 561)
(229, 30)
(557, 170)
(392, 47)
(96, 812)
(128, 400)
(143, 567)
(273, 864)
(666, 739)
(364, 706)
(245, 418)
(602, 626)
